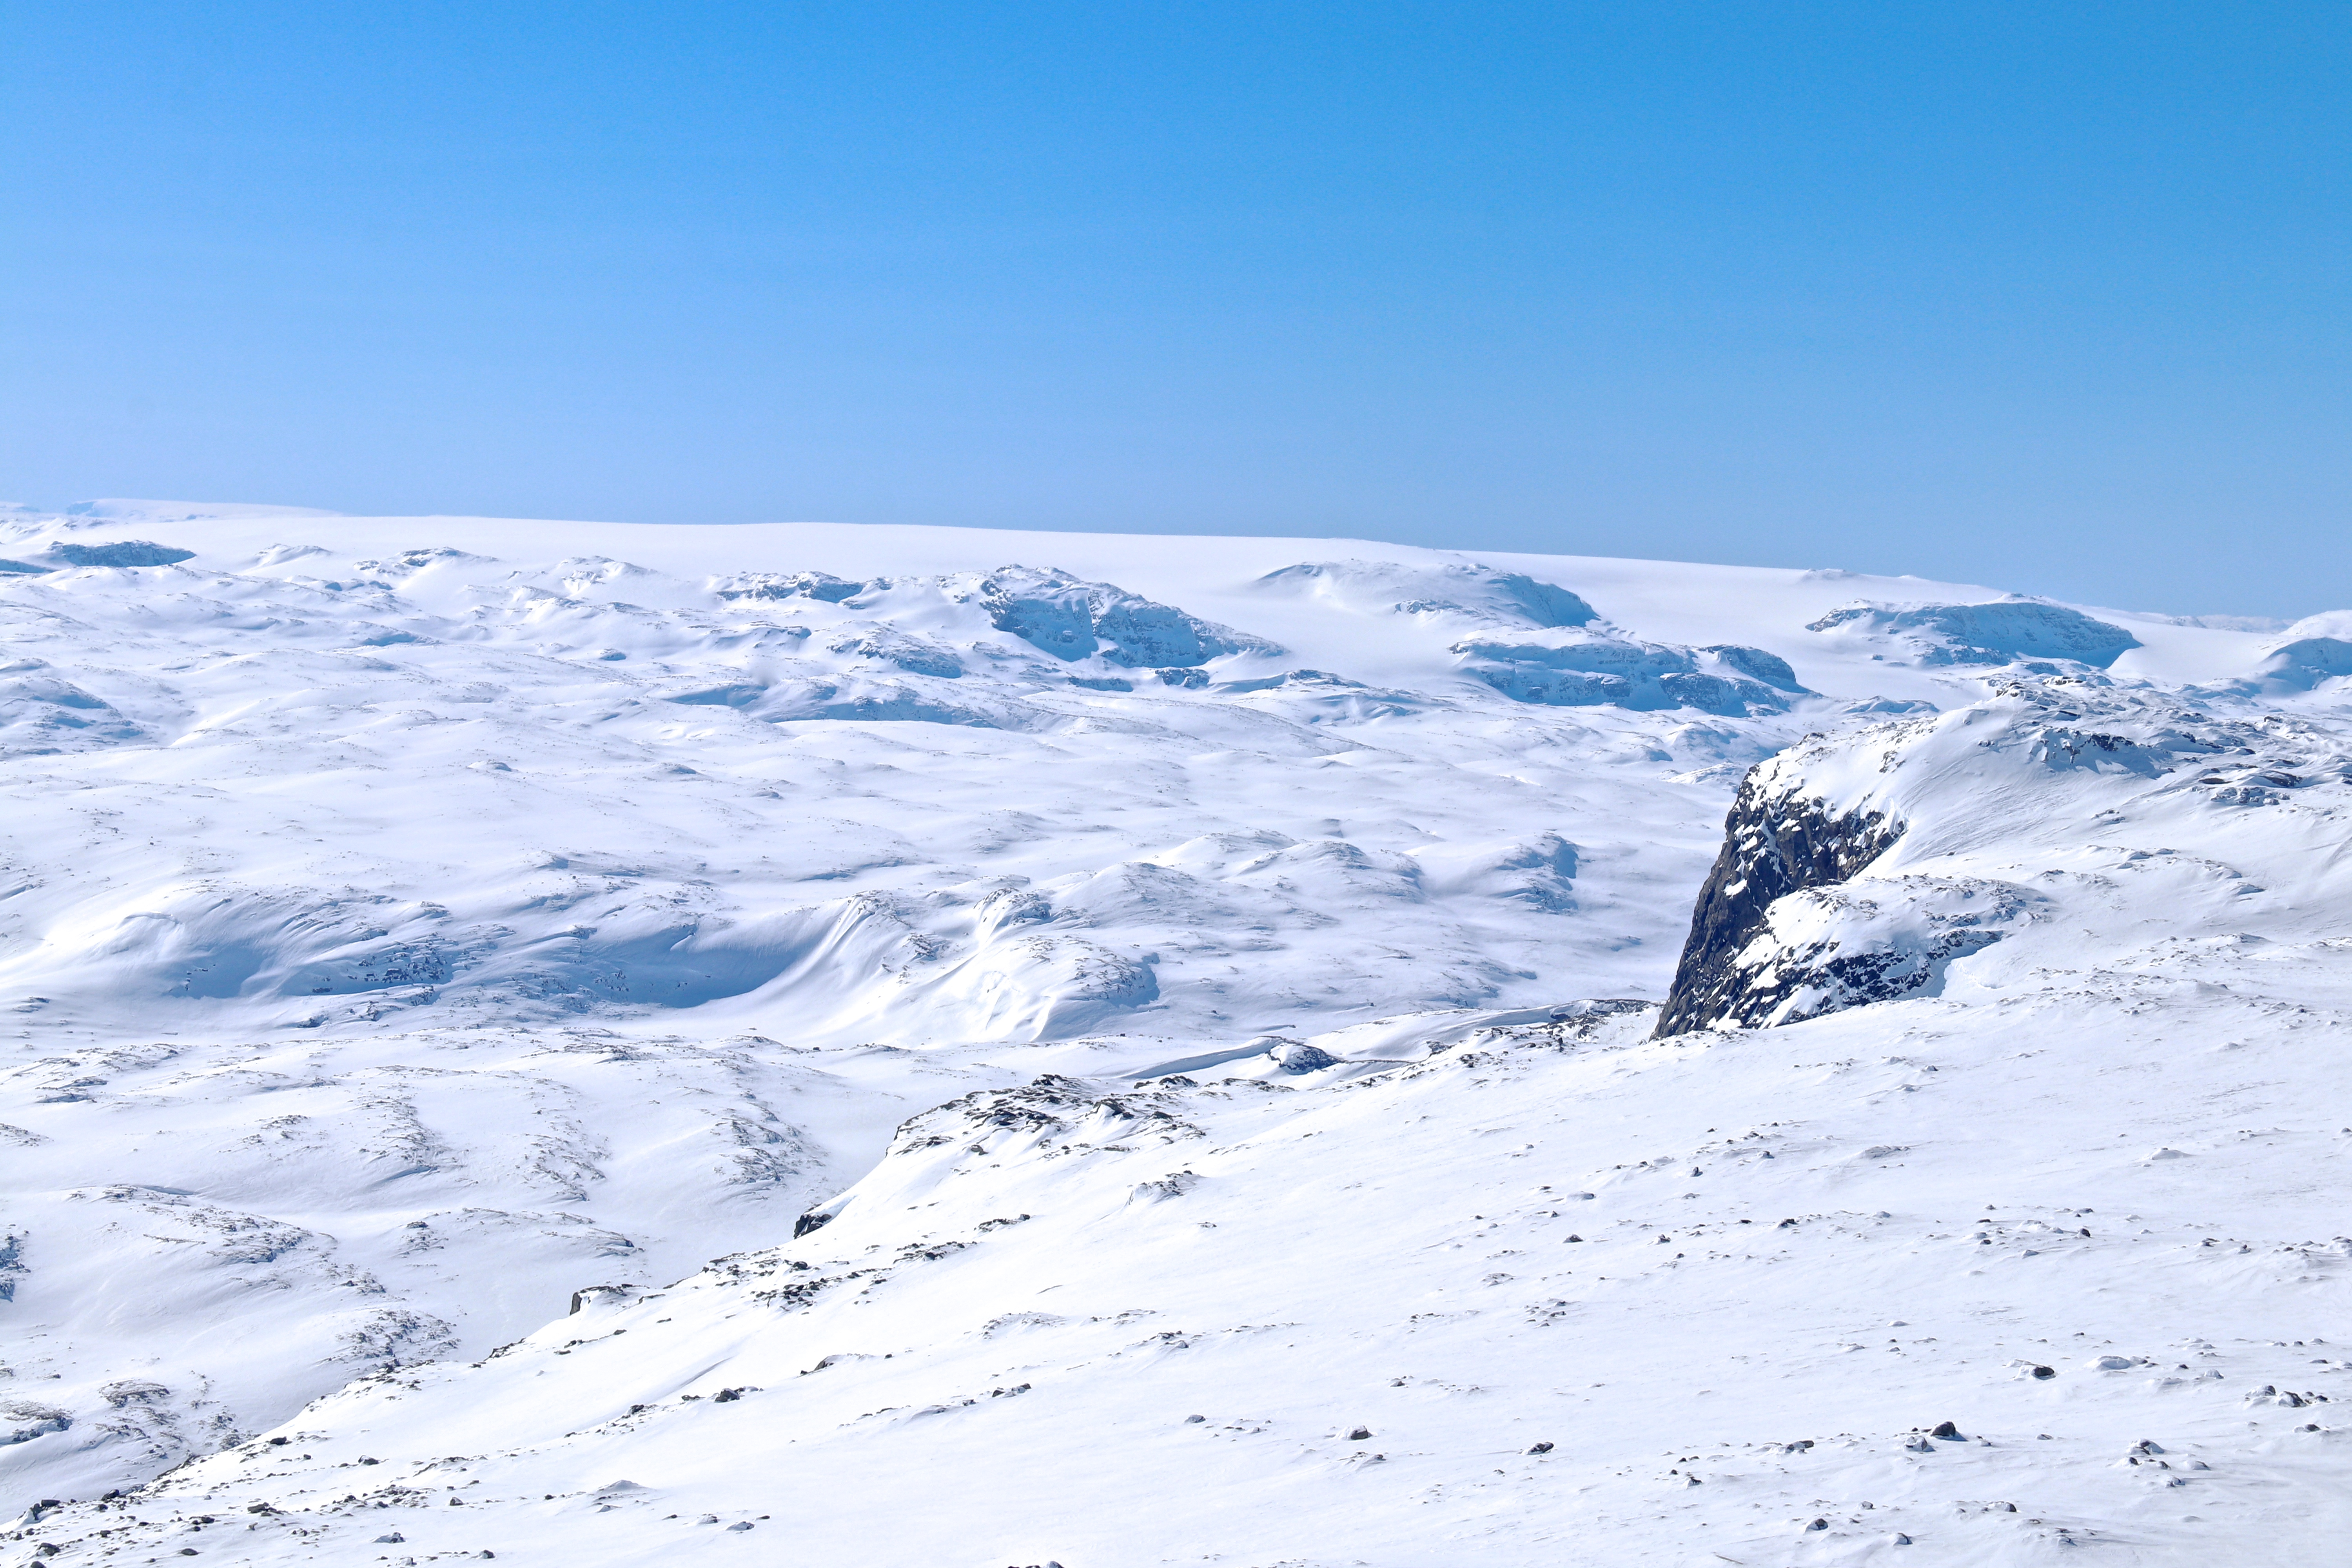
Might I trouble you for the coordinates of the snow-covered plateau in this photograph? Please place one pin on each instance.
(1118, 1050)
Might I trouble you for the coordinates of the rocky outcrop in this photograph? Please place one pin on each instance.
(1776, 842)
(1875, 939)
(1805, 912)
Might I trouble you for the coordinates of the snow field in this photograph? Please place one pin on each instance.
(409, 925)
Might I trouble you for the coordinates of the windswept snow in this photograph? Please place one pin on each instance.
(589, 1043)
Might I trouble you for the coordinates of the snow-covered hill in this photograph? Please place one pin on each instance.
(1073, 984)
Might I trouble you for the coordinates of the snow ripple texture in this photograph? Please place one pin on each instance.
(583, 1043)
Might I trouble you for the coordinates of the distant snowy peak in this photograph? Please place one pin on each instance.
(1585, 670)
(821, 586)
(2003, 632)
(2304, 665)
(1537, 642)
(408, 564)
(1073, 619)
(1066, 617)
(2210, 623)
(121, 508)
(1467, 592)
(2307, 655)
(63, 555)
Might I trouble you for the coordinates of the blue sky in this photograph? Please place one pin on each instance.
(2046, 295)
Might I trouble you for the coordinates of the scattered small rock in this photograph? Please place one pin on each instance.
(2045, 1371)
(1360, 1434)
(1945, 1429)
(1195, 1420)
(1541, 1449)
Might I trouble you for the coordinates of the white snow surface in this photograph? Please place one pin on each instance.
(1199, 992)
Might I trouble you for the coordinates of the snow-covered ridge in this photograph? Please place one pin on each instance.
(1145, 973)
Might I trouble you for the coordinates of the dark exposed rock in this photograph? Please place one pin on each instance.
(1774, 844)
(27, 1419)
(600, 1295)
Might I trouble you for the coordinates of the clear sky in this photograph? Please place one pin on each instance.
(2049, 295)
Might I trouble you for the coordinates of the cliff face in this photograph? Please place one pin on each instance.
(1775, 842)
(1862, 867)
